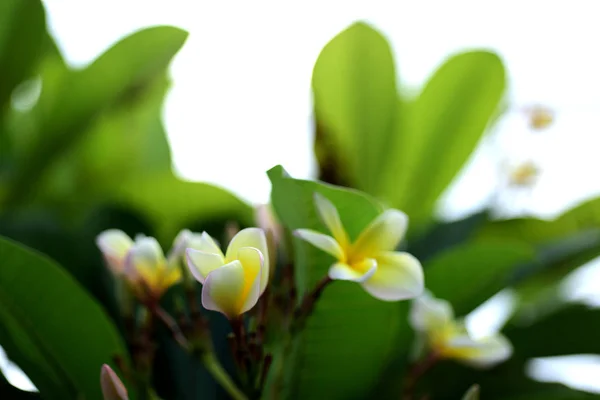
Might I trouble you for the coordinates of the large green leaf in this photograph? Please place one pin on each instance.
(355, 102)
(171, 204)
(22, 34)
(445, 125)
(51, 327)
(470, 274)
(63, 118)
(347, 340)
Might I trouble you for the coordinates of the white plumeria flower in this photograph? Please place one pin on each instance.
(448, 338)
(114, 245)
(371, 260)
(141, 262)
(232, 282)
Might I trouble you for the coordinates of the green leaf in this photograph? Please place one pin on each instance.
(537, 231)
(85, 94)
(355, 102)
(563, 244)
(347, 340)
(171, 204)
(470, 274)
(22, 33)
(445, 125)
(572, 330)
(127, 142)
(51, 327)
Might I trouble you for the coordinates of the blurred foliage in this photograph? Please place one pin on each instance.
(84, 150)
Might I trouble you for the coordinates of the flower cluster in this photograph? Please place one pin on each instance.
(234, 280)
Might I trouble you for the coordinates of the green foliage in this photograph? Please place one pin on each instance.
(38, 300)
(406, 151)
(347, 324)
(84, 150)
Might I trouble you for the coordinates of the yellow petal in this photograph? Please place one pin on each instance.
(481, 353)
(251, 237)
(223, 288)
(429, 314)
(331, 219)
(253, 263)
(399, 276)
(356, 273)
(146, 261)
(321, 241)
(114, 245)
(201, 263)
(383, 234)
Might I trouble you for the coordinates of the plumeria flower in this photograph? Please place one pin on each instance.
(112, 387)
(232, 282)
(141, 262)
(114, 245)
(371, 259)
(448, 338)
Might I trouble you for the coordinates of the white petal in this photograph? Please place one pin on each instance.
(179, 245)
(399, 276)
(201, 264)
(383, 234)
(344, 272)
(204, 242)
(251, 237)
(223, 289)
(114, 245)
(331, 219)
(429, 314)
(481, 353)
(321, 241)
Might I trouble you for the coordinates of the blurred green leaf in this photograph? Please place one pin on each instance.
(537, 231)
(574, 329)
(171, 204)
(22, 30)
(446, 123)
(84, 96)
(127, 142)
(51, 327)
(445, 235)
(562, 244)
(347, 340)
(472, 273)
(355, 102)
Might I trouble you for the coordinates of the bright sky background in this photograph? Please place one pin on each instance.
(241, 99)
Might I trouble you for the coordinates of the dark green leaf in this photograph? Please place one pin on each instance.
(470, 274)
(347, 340)
(22, 34)
(51, 327)
(355, 101)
